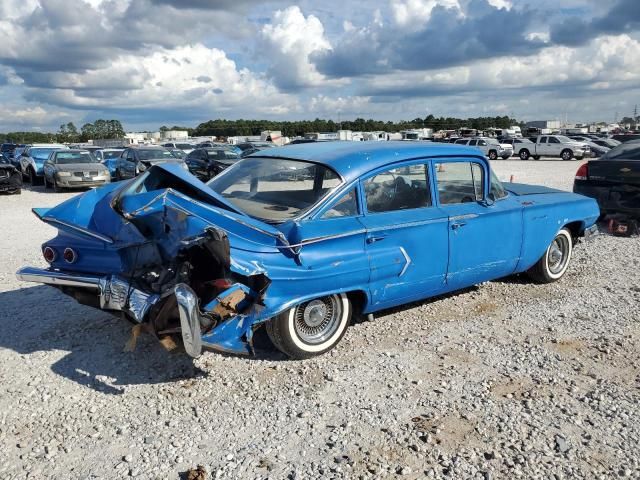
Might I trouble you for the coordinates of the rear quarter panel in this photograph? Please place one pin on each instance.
(543, 217)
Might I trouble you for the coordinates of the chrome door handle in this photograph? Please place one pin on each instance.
(375, 238)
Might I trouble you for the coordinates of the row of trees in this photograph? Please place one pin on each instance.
(112, 129)
(227, 128)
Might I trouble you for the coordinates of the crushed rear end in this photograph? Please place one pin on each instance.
(156, 250)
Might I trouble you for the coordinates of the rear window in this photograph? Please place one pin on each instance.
(42, 153)
(109, 155)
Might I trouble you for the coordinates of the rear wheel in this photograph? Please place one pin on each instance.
(555, 261)
(311, 328)
(524, 154)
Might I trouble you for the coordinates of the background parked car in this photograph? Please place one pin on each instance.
(185, 147)
(560, 146)
(10, 177)
(178, 153)
(522, 147)
(14, 158)
(109, 158)
(135, 160)
(33, 157)
(491, 148)
(613, 180)
(74, 169)
(7, 150)
(596, 150)
(206, 163)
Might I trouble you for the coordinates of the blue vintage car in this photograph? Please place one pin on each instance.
(302, 238)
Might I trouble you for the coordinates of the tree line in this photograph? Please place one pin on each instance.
(112, 129)
(69, 133)
(229, 128)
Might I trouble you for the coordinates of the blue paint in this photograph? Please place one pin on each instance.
(389, 258)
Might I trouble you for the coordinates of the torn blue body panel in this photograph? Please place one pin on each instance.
(216, 273)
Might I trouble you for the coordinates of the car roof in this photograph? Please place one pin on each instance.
(353, 159)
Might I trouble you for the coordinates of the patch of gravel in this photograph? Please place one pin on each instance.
(504, 380)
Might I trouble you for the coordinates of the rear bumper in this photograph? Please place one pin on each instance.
(624, 199)
(112, 293)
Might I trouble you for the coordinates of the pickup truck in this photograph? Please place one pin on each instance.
(559, 146)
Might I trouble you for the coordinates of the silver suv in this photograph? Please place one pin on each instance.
(489, 146)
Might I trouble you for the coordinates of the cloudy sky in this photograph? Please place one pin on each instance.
(155, 62)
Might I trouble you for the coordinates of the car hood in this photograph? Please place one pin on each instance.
(79, 167)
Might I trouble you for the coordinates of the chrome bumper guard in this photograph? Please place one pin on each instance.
(113, 292)
(591, 232)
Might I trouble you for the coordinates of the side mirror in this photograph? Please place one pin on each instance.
(489, 200)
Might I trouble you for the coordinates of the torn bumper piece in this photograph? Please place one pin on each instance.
(233, 334)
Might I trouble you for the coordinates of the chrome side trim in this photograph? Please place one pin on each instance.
(104, 238)
(407, 259)
(464, 217)
(59, 279)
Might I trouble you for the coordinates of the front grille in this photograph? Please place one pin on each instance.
(81, 174)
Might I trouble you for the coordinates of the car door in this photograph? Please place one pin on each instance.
(485, 233)
(406, 235)
(48, 167)
(542, 147)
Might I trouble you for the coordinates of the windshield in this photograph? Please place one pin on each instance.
(274, 189)
(42, 153)
(107, 155)
(154, 154)
(65, 158)
(184, 146)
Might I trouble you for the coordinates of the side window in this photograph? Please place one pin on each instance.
(543, 140)
(346, 206)
(473, 142)
(459, 182)
(482, 143)
(398, 189)
(496, 187)
(553, 140)
(130, 156)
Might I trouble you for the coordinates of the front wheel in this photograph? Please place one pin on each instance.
(566, 154)
(555, 261)
(311, 328)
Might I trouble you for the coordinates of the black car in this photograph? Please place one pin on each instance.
(206, 163)
(135, 160)
(613, 180)
(10, 177)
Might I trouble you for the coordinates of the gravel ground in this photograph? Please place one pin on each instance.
(504, 380)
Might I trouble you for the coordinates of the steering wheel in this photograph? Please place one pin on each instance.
(389, 193)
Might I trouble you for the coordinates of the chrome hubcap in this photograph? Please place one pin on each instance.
(557, 256)
(317, 320)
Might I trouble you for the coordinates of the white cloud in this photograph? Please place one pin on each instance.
(288, 42)
(415, 13)
(189, 77)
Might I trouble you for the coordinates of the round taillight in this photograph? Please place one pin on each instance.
(69, 255)
(49, 254)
